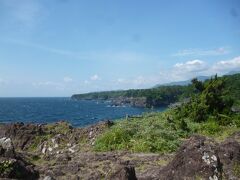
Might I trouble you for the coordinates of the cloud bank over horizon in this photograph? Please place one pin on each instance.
(179, 72)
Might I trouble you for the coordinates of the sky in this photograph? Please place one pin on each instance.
(63, 47)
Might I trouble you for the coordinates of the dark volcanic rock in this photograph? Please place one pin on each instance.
(22, 135)
(132, 101)
(229, 154)
(197, 158)
(200, 157)
(12, 165)
(6, 148)
(124, 173)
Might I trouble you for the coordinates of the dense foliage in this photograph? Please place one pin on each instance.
(214, 100)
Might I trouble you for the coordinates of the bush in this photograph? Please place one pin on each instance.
(211, 128)
(148, 134)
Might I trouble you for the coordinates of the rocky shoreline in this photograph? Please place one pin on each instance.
(59, 151)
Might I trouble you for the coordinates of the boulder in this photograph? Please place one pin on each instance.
(12, 165)
(6, 148)
(21, 134)
(203, 158)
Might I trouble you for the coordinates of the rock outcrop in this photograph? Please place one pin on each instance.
(12, 165)
(203, 158)
(124, 173)
(59, 151)
(135, 102)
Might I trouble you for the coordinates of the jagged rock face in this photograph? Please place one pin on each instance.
(136, 102)
(22, 135)
(196, 158)
(6, 148)
(200, 157)
(12, 165)
(229, 155)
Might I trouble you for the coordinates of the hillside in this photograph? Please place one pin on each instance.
(153, 97)
(159, 96)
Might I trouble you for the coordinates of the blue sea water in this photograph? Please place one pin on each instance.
(48, 110)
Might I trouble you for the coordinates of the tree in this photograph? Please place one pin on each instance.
(198, 84)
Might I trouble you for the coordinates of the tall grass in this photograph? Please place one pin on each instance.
(157, 132)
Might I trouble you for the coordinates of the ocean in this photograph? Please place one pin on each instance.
(49, 110)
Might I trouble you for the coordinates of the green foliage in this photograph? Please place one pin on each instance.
(6, 166)
(208, 113)
(210, 128)
(149, 134)
(236, 169)
(232, 88)
(211, 101)
(225, 89)
(236, 120)
(163, 95)
(198, 84)
(159, 132)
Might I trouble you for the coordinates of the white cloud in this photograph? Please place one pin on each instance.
(181, 71)
(203, 52)
(67, 79)
(228, 65)
(95, 77)
(191, 66)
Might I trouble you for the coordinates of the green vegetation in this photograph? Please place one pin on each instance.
(163, 95)
(236, 169)
(151, 133)
(208, 113)
(50, 131)
(6, 166)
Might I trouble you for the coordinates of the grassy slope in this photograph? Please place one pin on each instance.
(163, 132)
(157, 132)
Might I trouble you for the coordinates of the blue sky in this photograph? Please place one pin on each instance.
(61, 47)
